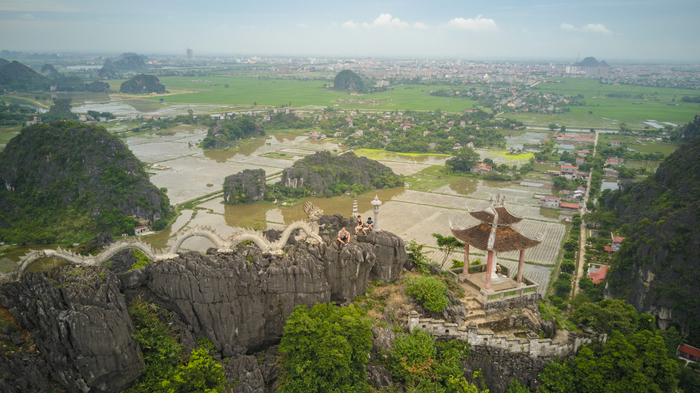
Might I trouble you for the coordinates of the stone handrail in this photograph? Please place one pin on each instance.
(532, 345)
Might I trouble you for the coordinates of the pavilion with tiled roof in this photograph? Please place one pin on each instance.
(494, 234)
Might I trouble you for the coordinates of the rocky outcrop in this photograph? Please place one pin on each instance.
(499, 367)
(79, 322)
(241, 300)
(254, 373)
(80, 168)
(126, 61)
(142, 84)
(243, 187)
(657, 268)
(319, 171)
(49, 71)
(25, 370)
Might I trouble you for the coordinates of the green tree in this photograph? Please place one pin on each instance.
(515, 387)
(463, 160)
(447, 244)
(608, 315)
(200, 374)
(326, 349)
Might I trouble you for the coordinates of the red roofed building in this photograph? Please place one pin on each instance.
(481, 168)
(550, 201)
(569, 206)
(598, 275)
(688, 352)
(140, 230)
(568, 169)
(617, 243)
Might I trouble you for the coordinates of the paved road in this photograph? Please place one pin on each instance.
(582, 241)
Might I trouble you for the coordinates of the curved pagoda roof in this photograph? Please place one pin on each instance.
(504, 216)
(495, 232)
(506, 238)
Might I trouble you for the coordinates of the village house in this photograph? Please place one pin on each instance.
(550, 201)
(580, 161)
(613, 161)
(140, 230)
(481, 168)
(617, 243)
(609, 172)
(615, 143)
(688, 352)
(597, 272)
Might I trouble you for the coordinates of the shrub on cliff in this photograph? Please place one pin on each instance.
(429, 366)
(325, 349)
(200, 374)
(429, 291)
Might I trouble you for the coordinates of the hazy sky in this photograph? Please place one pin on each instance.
(495, 29)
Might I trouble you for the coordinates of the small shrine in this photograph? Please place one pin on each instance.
(494, 234)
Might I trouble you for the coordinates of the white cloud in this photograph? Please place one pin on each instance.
(302, 25)
(420, 26)
(477, 25)
(386, 21)
(349, 25)
(566, 26)
(596, 28)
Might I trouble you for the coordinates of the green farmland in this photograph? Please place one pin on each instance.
(275, 92)
(599, 111)
(661, 104)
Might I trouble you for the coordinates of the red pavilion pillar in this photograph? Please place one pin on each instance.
(489, 264)
(465, 269)
(521, 263)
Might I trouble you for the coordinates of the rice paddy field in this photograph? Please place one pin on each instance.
(600, 110)
(661, 104)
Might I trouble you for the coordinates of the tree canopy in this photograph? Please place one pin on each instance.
(325, 349)
(463, 160)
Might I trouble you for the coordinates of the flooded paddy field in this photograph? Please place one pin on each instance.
(413, 214)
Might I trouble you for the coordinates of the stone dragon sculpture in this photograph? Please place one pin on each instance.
(309, 228)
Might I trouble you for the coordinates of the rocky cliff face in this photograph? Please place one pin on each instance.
(657, 269)
(239, 301)
(499, 367)
(79, 322)
(243, 187)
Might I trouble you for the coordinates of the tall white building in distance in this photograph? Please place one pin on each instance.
(190, 53)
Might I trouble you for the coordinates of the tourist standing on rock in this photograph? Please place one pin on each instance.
(343, 236)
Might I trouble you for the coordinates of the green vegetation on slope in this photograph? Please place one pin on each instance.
(325, 349)
(657, 265)
(142, 84)
(328, 175)
(67, 181)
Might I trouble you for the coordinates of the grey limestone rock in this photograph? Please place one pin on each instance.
(79, 322)
(245, 186)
